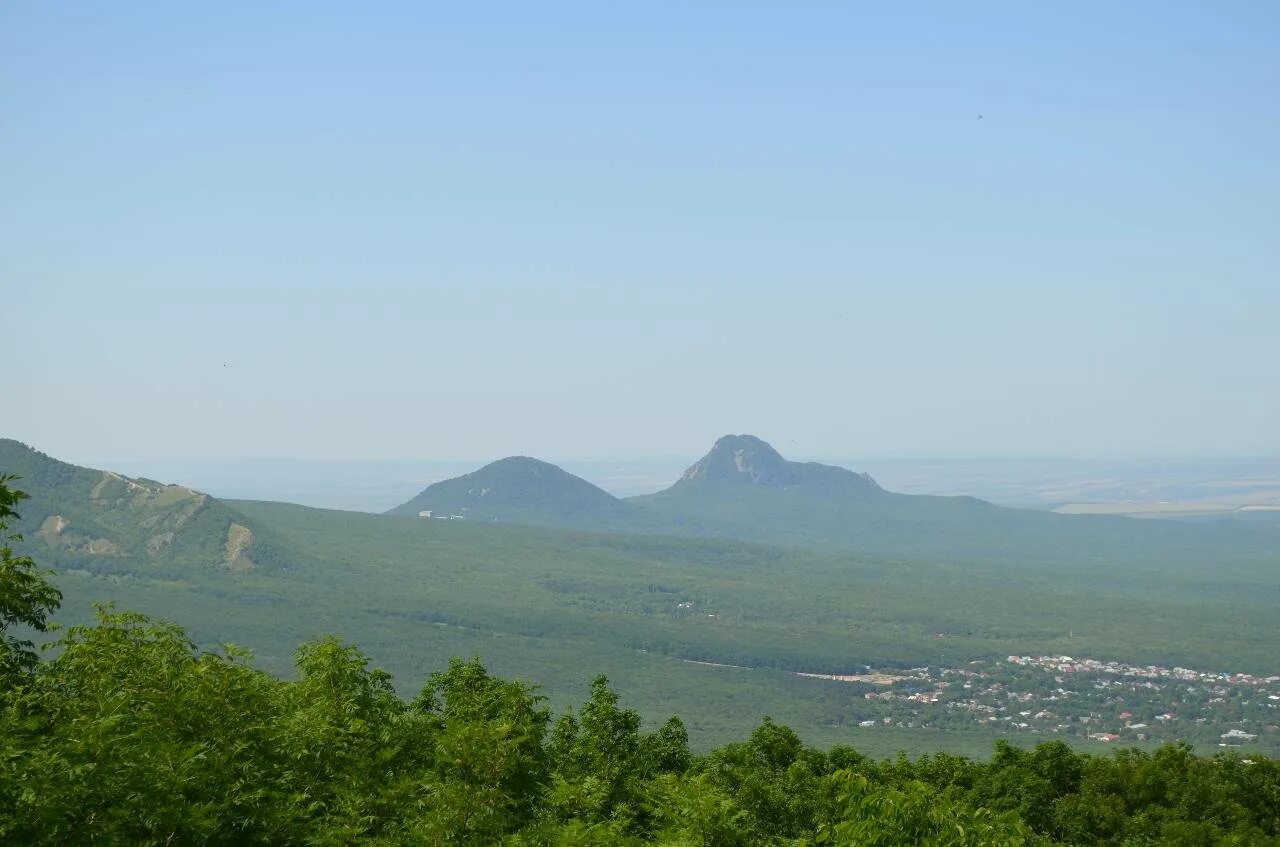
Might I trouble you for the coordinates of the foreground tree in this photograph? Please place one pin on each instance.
(26, 596)
(132, 736)
(489, 768)
(870, 815)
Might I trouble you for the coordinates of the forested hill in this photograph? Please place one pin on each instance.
(80, 517)
(522, 490)
(516, 488)
(744, 489)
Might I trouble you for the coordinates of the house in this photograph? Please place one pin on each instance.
(425, 514)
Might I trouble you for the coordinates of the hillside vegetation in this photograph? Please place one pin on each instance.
(108, 522)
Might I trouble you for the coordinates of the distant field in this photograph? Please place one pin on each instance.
(1204, 510)
(1152, 510)
(1223, 483)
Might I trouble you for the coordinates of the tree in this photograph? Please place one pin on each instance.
(345, 742)
(696, 812)
(868, 815)
(771, 777)
(133, 736)
(598, 761)
(489, 766)
(26, 596)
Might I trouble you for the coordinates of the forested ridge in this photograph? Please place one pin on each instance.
(130, 734)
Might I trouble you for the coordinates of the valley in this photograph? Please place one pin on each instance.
(714, 629)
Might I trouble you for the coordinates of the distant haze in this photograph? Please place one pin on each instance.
(453, 233)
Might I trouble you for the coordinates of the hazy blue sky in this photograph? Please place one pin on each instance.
(381, 230)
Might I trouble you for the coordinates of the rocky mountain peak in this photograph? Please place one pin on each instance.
(744, 459)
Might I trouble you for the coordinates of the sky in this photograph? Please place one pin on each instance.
(378, 231)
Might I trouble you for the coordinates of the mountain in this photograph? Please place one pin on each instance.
(743, 488)
(103, 522)
(522, 490)
(741, 460)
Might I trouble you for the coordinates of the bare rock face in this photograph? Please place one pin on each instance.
(239, 545)
(103, 547)
(53, 526)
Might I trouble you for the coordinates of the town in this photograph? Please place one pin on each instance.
(1105, 702)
